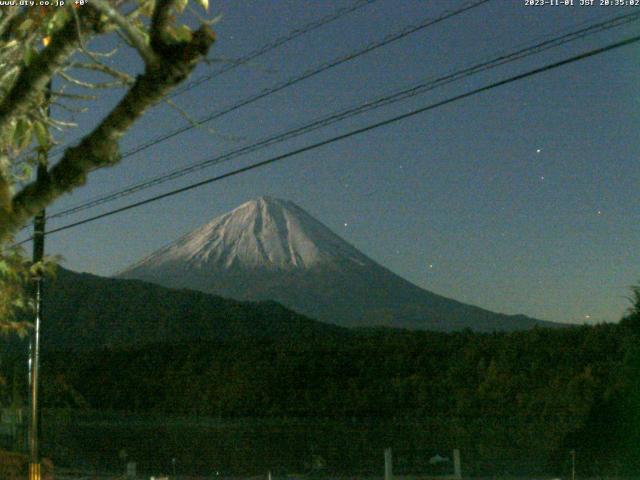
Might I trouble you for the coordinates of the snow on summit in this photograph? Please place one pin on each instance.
(271, 249)
(266, 233)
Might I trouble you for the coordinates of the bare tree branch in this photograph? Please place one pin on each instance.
(100, 147)
(71, 110)
(61, 124)
(14, 17)
(102, 68)
(72, 96)
(95, 85)
(193, 121)
(128, 29)
(169, 53)
(94, 55)
(33, 79)
(8, 15)
(159, 23)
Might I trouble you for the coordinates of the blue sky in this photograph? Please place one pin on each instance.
(519, 200)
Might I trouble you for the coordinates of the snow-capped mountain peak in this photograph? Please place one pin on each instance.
(271, 249)
(265, 233)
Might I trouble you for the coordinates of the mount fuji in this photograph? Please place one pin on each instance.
(271, 249)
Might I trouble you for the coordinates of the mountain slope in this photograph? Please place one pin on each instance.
(84, 311)
(271, 249)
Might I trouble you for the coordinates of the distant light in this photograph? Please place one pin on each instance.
(542, 177)
(430, 265)
(538, 150)
(346, 224)
(599, 212)
(587, 317)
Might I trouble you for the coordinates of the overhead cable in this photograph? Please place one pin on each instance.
(379, 102)
(352, 133)
(278, 42)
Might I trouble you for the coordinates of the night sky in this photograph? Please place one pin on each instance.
(519, 200)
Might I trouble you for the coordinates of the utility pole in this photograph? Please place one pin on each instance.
(573, 465)
(388, 464)
(34, 345)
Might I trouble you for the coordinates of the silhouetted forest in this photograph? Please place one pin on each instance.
(516, 402)
(508, 399)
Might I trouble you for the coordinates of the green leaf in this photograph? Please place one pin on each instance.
(147, 7)
(144, 34)
(181, 34)
(24, 172)
(8, 134)
(25, 26)
(204, 4)
(181, 5)
(5, 163)
(22, 134)
(29, 54)
(57, 20)
(42, 134)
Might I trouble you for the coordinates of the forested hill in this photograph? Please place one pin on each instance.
(503, 398)
(546, 391)
(85, 311)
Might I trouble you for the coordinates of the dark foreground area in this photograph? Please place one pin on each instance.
(313, 447)
(514, 404)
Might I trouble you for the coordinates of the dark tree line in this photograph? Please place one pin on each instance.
(510, 401)
(544, 392)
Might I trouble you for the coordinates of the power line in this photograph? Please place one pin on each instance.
(278, 42)
(359, 109)
(273, 45)
(353, 133)
(309, 73)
